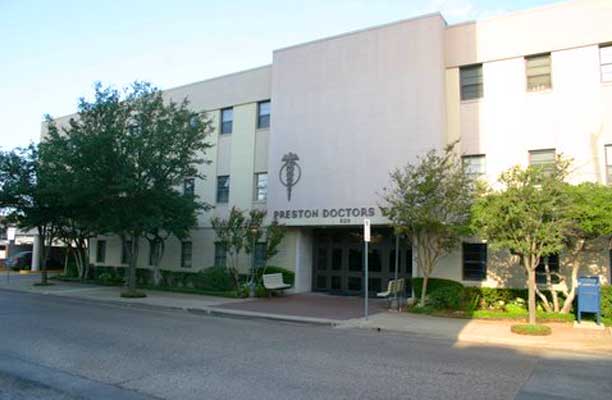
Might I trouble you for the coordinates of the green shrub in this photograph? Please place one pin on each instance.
(432, 285)
(606, 301)
(513, 308)
(71, 270)
(216, 279)
(288, 276)
(446, 298)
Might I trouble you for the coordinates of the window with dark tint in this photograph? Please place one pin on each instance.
(186, 254)
(474, 165)
(336, 259)
(471, 82)
(189, 186)
(322, 259)
(355, 260)
(223, 188)
(260, 255)
(227, 120)
(354, 284)
(374, 260)
(553, 267)
(538, 72)
(263, 114)
(474, 261)
(261, 186)
(125, 252)
(220, 255)
(101, 251)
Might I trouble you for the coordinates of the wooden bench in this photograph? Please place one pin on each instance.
(274, 282)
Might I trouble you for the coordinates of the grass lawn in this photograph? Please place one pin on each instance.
(494, 315)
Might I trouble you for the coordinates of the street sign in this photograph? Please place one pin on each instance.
(10, 233)
(366, 230)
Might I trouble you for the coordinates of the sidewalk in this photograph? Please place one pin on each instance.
(564, 336)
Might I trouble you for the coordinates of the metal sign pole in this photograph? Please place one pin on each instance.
(366, 240)
(11, 233)
(397, 243)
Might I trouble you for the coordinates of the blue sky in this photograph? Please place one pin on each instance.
(52, 51)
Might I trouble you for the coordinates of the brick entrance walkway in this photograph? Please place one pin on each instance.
(312, 305)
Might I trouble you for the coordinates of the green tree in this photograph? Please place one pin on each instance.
(231, 236)
(28, 197)
(430, 201)
(134, 150)
(529, 216)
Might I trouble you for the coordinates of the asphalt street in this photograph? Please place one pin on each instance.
(61, 348)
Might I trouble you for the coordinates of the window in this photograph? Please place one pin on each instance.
(186, 254)
(553, 266)
(223, 188)
(471, 82)
(220, 255)
(227, 120)
(605, 59)
(538, 72)
(608, 149)
(260, 255)
(100, 251)
(474, 261)
(261, 186)
(154, 248)
(189, 186)
(125, 251)
(263, 114)
(544, 159)
(474, 165)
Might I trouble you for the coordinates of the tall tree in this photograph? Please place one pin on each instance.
(529, 216)
(430, 201)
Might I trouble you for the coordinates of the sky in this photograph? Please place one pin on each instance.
(53, 51)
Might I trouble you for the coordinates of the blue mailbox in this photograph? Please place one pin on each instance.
(588, 296)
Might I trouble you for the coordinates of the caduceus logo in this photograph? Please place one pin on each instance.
(290, 172)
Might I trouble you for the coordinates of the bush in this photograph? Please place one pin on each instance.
(532, 330)
(446, 298)
(513, 308)
(432, 285)
(606, 301)
(217, 279)
(133, 294)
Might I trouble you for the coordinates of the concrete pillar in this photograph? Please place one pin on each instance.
(303, 261)
(36, 247)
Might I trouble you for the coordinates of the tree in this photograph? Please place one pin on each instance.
(590, 210)
(143, 148)
(29, 198)
(430, 203)
(231, 236)
(529, 216)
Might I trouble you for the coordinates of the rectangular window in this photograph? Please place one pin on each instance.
(227, 120)
(544, 159)
(475, 165)
(186, 254)
(471, 82)
(223, 188)
(261, 186)
(189, 186)
(605, 60)
(260, 255)
(608, 149)
(538, 70)
(101, 251)
(474, 261)
(553, 267)
(220, 255)
(263, 114)
(125, 251)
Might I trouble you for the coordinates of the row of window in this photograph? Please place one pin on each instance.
(263, 117)
(260, 192)
(186, 253)
(538, 73)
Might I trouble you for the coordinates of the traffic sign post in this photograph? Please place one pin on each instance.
(366, 240)
(11, 232)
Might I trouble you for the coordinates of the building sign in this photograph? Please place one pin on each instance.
(290, 172)
(345, 214)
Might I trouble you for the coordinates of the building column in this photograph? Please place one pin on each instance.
(36, 253)
(303, 261)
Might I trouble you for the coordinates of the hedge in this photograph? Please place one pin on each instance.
(606, 302)
(433, 284)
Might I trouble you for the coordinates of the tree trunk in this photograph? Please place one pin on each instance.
(569, 300)
(531, 284)
(131, 281)
(424, 289)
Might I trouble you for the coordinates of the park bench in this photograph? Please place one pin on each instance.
(274, 282)
(394, 287)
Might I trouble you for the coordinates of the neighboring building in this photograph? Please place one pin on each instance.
(342, 112)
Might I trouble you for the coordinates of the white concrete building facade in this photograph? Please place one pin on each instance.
(312, 137)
